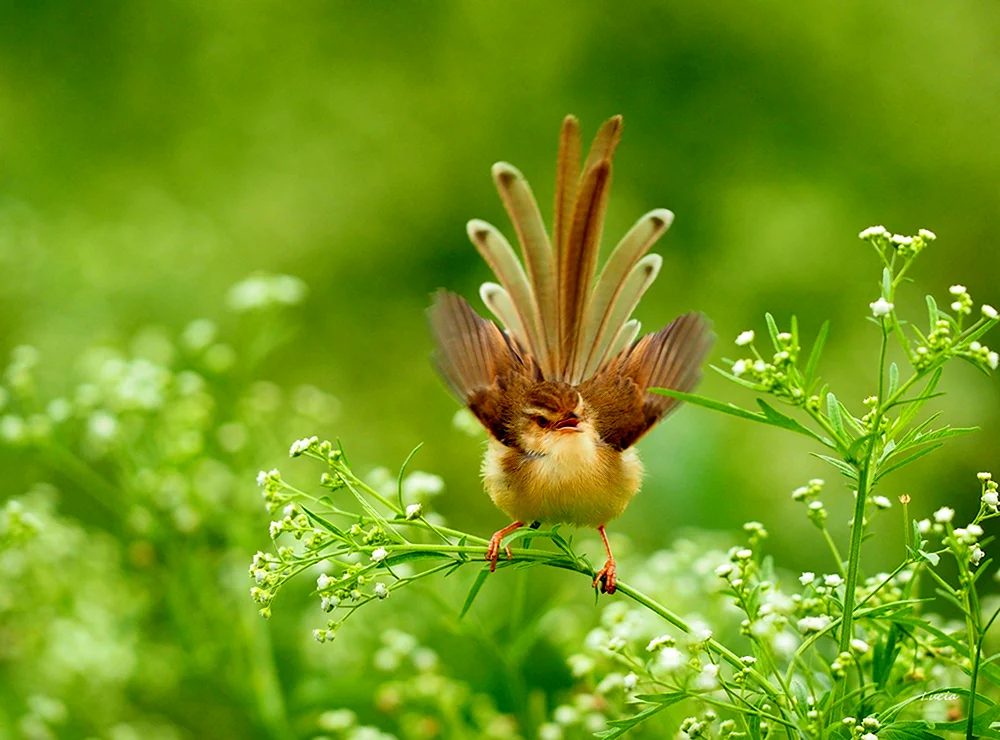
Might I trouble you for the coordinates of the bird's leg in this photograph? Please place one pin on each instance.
(606, 577)
(493, 551)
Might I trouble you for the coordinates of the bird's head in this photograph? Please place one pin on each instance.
(553, 415)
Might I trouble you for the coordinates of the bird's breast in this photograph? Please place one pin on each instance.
(577, 480)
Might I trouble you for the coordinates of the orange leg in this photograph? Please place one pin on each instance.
(606, 577)
(493, 551)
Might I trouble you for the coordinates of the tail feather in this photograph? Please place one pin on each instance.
(498, 301)
(538, 258)
(579, 261)
(499, 255)
(599, 322)
(632, 289)
(567, 180)
(626, 336)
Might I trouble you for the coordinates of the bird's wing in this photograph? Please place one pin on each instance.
(619, 394)
(484, 368)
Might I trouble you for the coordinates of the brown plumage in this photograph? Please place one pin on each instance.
(563, 390)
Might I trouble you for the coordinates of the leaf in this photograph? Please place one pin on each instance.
(845, 469)
(772, 329)
(815, 352)
(402, 470)
(884, 656)
(855, 448)
(474, 591)
(833, 413)
(906, 461)
(908, 731)
(708, 403)
(886, 283)
(852, 422)
(931, 557)
(325, 524)
(620, 726)
(932, 311)
(893, 379)
(778, 419)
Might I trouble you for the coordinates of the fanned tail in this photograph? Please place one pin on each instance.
(550, 303)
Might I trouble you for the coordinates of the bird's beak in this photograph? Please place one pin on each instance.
(569, 424)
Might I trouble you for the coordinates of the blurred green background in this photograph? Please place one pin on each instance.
(155, 154)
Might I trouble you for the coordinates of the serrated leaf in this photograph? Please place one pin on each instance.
(474, 591)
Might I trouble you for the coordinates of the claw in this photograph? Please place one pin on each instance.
(606, 577)
(493, 550)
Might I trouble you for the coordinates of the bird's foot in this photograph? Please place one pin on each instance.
(493, 550)
(607, 577)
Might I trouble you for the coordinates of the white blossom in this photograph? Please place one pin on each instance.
(378, 554)
(381, 591)
(990, 312)
(943, 515)
(724, 570)
(927, 235)
(872, 231)
(814, 624)
(671, 659)
(745, 338)
(881, 308)
(993, 359)
(413, 511)
(957, 290)
(833, 580)
(990, 498)
(806, 578)
(739, 367)
(859, 646)
(924, 526)
(322, 581)
(630, 681)
(881, 502)
(977, 555)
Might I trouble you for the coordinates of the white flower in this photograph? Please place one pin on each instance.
(869, 736)
(806, 578)
(566, 715)
(957, 290)
(993, 359)
(381, 591)
(924, 526)
(319, 635)
(956, 306)
(944, 514)
(927, 235)
(872, 231)
(881, 308)
(984, 476)
(859, 646)
(870, 723)
(760, 366)
(630, 681)
(744, 554)
(975, 530)
(990, 498)
(671, 659)
(814, 624)
(413, 511)
(990, 312)
(708, 678)
(275, 529)
(724, 570)
(739, 367)
(322, 581)
(745, 338)
(550, 731)
(301, 445)
(261, 478)
(657, 642)
(378, 554)
(833, 580)
(977, 555)
(901, 240)
(881, 502)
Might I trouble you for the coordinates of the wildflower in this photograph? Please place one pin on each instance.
(984, 476)
(707, 679)
(881, 502)
(927, 235)
(924, 526)
(957, 290)
(630, 681)
(378, 554)
(944, 515)
(872, 231)
(658, 642)
(413, 511)
(566, 715)
(739, 367)
(744, 554)
(881, 308)
(992, 359)
(302, 445)
(903, 241)
(859, 646)
(975, 530)
(870, 723)
(869, 736)
(724, 570)
(381, 591)
(990, 312)
(814, 624)
(990, 498)
(807, 578)
(323, 581)
(745, 338)
(977, 555)
(833, 580)
(671, 659)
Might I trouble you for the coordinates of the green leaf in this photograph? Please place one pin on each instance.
(886, 283)
(918, 730)
(474, 591)
(884, 656)
(772, 329)
(778, 419)
(845, 469)
(833, 414)
(893, 379)
(855, 449)
(620, 726)
(931, 557)
(402, 470)
(325, 524)
(708, 403)
(906, 461)
(932, 311)
(848, 417)
(814, 354)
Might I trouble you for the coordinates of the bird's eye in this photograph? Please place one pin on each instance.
(541, 421)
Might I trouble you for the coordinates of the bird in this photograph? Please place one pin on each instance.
(562, 384)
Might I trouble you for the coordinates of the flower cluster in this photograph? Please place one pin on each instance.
(776, 375)
(907, 247)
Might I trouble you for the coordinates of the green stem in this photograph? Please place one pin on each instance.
(854, 556)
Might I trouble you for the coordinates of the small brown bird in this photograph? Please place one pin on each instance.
(563, 389)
